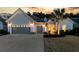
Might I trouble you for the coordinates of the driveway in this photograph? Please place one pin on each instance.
(22, 43)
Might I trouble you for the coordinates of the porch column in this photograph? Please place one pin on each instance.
(9, 28)
(56, 26)
(44, 28)
(33, 27)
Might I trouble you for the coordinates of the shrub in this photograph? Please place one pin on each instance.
(62, 32)
(71, 32)
(76, 31)
(3, 32)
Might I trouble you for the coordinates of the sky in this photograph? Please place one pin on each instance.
(25, 9)
(11, 10)
(43, 4)
(46, 6)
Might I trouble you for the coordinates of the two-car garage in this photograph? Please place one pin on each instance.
(20, 30)
(21, 23)
(25, 30)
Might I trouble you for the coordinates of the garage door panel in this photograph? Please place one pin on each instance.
(20, 30)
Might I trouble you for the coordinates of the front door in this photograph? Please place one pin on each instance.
(39, 29)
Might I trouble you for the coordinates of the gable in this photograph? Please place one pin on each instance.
(67, 21)
(19, 17)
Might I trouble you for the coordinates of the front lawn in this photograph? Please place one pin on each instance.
(62, 44)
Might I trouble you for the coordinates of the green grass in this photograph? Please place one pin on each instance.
(62, 44)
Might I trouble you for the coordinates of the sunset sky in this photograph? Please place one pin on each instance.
(31, 9)
(35, 9)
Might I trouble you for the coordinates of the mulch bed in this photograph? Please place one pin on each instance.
(50, 35)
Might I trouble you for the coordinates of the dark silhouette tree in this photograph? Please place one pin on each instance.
(66, 15)
(71, 15)
(28, 13)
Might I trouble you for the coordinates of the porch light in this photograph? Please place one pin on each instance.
(64, 28)
(32, 24)
(9, 25)
(43, 25)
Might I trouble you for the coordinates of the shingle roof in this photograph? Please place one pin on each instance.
(37, 19)
(76, 20)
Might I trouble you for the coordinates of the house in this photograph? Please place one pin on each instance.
(3, 25)
(65, 24)
(40, 24)
(51, 26)
(21, 23)
(76, 20)
(68, 24)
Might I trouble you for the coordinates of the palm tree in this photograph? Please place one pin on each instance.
(59, 15)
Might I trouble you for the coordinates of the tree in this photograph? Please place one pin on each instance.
(71, 15)
(59, 15)
(66, 15)
(28, 13)
(39, 14)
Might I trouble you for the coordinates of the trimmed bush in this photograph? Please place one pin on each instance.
(3, 32)
(76, 31)
(69, 32)
(62, 32)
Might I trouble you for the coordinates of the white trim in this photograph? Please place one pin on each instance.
(10, 28)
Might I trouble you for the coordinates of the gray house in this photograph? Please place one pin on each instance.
(76, 20)
(66, 24)
(3, 24)
(21, 23)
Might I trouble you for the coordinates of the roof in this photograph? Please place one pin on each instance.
(37, 19)
(17, 15)
(76, 20)
(67, 20)
(2, 20)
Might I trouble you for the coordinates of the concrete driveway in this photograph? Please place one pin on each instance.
(22, 43)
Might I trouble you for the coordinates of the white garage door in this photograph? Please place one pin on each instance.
(20, 30)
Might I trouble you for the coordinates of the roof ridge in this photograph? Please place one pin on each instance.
(16, 12)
